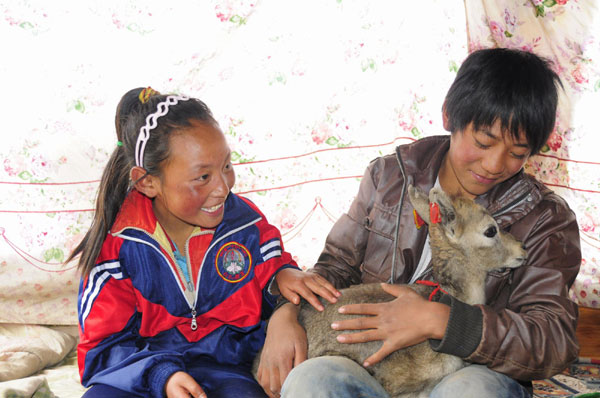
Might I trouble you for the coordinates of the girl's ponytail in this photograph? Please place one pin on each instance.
(112, 191)
(114, 184)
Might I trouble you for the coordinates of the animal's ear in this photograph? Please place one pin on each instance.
(420, 202)
(442, 210)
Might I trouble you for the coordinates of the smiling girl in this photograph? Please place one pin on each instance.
(179, 273)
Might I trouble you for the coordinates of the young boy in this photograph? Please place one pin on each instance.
(500, 110)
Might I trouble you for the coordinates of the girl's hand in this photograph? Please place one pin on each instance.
(182, 385)
(285, 348)
(407, 320)
(293, 283)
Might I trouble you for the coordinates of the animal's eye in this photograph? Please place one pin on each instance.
(491, 232)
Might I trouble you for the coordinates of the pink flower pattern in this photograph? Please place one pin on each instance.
(303, 107)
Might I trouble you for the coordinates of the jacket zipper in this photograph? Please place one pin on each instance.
(397, 226)
(194, 323)
(192, 287)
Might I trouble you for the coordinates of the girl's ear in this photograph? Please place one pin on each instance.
(445, 121)
(144, 182)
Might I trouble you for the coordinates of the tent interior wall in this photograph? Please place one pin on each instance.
(307, 94)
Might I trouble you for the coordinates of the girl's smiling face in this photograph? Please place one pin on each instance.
(480, 159)
(195, 180)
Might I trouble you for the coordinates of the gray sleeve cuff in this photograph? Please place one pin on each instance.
(464, 330)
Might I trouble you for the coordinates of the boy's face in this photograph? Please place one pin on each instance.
(195, 180)
(480, 159)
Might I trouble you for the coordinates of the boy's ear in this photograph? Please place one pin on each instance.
(445, 121)
(144, 182)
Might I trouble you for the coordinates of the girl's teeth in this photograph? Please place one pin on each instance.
(211, 209)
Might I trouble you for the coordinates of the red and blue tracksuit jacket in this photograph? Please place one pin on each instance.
(139, 322)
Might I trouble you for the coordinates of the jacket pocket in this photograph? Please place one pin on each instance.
(380, 223)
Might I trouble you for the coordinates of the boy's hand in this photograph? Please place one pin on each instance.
(182, 385)
(293, 283)
(407, 320)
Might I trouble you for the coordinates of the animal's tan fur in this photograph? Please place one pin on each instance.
(462, 255)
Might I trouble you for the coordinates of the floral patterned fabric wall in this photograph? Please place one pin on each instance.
(307, 94)
(568, 34)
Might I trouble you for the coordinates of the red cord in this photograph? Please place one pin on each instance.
(432, 284)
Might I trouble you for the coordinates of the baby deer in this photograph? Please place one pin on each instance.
(466, 244)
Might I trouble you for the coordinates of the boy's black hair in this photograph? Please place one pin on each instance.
(516, 87)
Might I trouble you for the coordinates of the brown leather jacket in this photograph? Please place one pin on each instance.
(527, 327)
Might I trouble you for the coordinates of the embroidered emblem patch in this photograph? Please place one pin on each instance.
(233, 262)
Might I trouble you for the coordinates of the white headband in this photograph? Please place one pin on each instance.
(151, 122)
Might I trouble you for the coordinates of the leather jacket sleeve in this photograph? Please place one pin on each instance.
(345, 245)
(530, 333)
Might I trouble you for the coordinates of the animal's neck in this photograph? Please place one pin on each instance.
(452, 270)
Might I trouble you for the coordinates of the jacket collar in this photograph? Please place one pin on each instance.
(513, 199)
(136, 213)
(422, 160)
